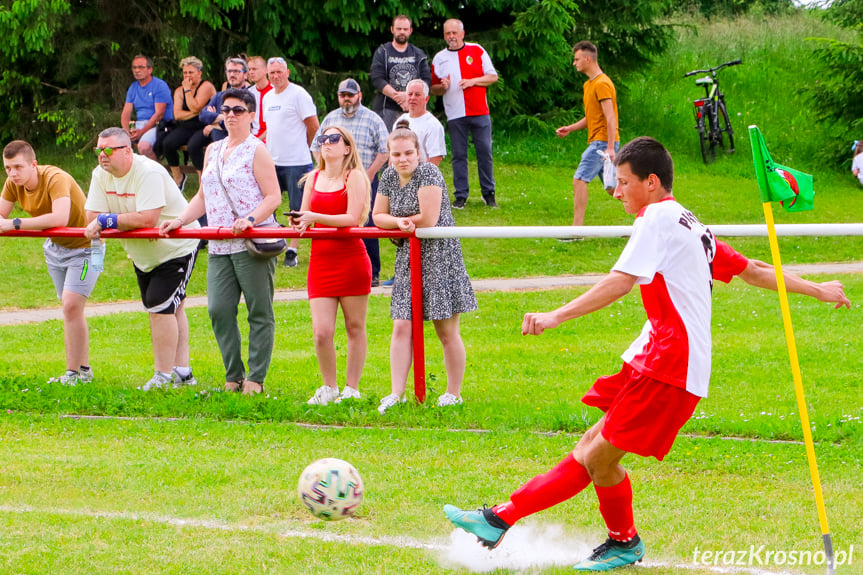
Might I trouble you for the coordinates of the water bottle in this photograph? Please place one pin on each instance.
(97, 255)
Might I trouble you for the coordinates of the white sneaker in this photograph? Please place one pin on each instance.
(158, 381)
(390, 401)
(324, 395)
(448, 399)
(68, 378)
(348, 393)
(179, 381)
(85, 375)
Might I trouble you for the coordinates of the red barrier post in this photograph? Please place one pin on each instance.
(417, 319)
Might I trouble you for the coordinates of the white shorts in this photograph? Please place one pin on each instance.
(149, 136)
(69, 269)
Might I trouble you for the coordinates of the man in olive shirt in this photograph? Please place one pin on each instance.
(53, 199)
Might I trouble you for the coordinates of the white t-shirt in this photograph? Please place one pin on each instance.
(670, 252)
(430, 133)
(284, 115)
(147, 186)
(857, 164)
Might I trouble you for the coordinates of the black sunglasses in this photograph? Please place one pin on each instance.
(236, 110)
(329, 138)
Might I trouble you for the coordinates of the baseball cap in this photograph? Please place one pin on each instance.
(350, 86)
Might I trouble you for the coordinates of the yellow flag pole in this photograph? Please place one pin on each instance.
(798, 388)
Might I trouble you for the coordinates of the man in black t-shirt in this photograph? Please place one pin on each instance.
(394, 65)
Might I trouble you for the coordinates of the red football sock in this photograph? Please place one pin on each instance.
(615, 505)
(562, 482)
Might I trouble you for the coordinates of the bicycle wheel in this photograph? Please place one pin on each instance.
(725, 127)
(708, 148)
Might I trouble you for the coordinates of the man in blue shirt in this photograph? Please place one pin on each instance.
(151, 100)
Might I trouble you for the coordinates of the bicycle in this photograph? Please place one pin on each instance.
(711, 114)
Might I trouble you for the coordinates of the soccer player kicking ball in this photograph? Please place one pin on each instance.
(673, 258)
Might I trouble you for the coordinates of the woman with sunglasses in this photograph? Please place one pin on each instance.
(412, 194)
(337, 195)
(239, 189)
(189, 99)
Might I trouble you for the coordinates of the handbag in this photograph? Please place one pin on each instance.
(258, 248)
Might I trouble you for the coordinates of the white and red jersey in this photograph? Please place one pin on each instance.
(469, 61)
(671, 252)
(259, 126)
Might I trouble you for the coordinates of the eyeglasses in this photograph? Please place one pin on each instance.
(329, 139)
(108, 150)
(346, 95)
(236, 110)
(277, 60)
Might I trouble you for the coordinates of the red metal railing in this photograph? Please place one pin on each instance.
(224, 233)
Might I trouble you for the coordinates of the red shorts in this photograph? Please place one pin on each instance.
(642, 414)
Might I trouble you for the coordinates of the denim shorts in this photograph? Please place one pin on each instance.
(590, 165)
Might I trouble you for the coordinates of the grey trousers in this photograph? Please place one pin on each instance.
(228, 276)
(479, 128)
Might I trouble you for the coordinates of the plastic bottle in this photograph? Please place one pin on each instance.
(97, 255)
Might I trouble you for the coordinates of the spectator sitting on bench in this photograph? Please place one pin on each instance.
(150, 98)
(189, 99)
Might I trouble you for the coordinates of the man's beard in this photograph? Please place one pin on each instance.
(400, 39)
(350, 108)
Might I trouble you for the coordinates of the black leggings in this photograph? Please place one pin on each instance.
(185, 133)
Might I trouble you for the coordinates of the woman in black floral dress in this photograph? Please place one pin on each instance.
(413, 194)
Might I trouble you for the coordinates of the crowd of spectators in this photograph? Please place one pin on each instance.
(253, 142)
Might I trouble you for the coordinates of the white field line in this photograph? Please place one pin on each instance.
(423, 429)
(524, 547)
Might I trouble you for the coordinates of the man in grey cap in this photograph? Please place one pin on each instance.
(370, 134)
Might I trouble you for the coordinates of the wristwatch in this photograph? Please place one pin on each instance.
(16, 223)
(251, 219)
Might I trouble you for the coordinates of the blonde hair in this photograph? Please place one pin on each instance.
(350, 163)
(192, 61)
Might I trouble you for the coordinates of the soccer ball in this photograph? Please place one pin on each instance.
(331, 489)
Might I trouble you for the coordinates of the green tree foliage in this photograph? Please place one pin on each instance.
(68, 63)
(835, 97)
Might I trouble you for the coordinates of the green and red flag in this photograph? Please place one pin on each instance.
(792, 188)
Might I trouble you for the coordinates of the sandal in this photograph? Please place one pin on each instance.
(234, 386)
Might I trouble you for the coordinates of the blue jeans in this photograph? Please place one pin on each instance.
(373, 248)
(289, 181)
(479, 127)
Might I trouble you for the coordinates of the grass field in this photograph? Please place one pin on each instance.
(103, 479)
(202, 481)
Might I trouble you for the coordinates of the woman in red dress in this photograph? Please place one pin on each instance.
(337, 195)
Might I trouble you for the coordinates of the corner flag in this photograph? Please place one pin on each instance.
(792, 188)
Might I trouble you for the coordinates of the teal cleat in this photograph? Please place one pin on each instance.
(613, 554)
(488, 527)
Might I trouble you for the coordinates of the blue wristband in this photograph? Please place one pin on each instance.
(107, 221)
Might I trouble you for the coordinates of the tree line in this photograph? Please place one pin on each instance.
(66, 64)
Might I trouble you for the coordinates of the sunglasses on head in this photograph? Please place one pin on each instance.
(235, 110)
(277, 59)
(108, 150)
(329, 139)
